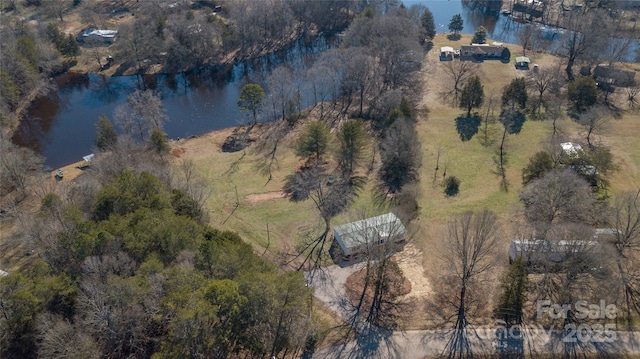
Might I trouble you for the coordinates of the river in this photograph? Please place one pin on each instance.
(61, 125)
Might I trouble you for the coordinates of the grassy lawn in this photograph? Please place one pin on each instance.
(470, 161)
(260, 203)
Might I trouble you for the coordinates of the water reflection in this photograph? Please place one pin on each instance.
(61, 125)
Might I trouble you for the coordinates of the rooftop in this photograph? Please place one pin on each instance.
(101, 33)
(370, 230)
(571, 148)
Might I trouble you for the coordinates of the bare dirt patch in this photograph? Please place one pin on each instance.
(177, 152)
(410, 262)
(262, 197)
(355, 285)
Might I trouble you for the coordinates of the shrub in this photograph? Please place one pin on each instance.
(451, 186)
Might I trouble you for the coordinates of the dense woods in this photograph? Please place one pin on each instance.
(138, 275)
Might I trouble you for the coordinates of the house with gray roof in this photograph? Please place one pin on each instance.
(482, 51)
(541, 255)
(356, 239)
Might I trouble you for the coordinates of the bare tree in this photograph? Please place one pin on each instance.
(394, 40)
(361, 78)
(322, 78)
(17, 166)
(468, 252)
(542, 81)
(632, 96)
(97, 48)
(60, 338)
(570, 266)
(595, 122)
(57, 8)
(142, 113)
(329, 197)
(560, 195)
(525, 37)
(583, 36)
(377, 303)
(280, 91)
(625, 226)
(137, 41)
(459, 72)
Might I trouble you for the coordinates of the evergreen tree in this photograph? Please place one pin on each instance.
(538, 165)
(582, 93)
(480, 36)
(314, 141)
(472, 95)
(106, 136)
(159, 142)
(352, 139)
(515, 94)
(251, 100)
(456, 24)
(428, 23)
(514, 290)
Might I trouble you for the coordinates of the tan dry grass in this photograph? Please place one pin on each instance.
(473, 163)
(260, 202)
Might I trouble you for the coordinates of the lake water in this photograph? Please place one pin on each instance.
(61, 125)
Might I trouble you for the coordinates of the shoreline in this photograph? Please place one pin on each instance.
(72, 170)
(217, 134)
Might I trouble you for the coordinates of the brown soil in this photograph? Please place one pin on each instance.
(355, 285)
(410, 262)
(177, 152)
(262, 197)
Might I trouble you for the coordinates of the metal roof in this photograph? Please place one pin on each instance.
(368, 231)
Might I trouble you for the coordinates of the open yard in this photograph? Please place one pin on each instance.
(244, 200)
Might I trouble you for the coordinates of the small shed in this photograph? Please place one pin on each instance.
(522, 62)
(3, 273)
(358, 238)
(446, 53)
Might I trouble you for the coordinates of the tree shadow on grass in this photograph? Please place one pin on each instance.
(467, 127)
(513, 121)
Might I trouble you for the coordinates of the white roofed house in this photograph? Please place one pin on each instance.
(357, 239)
(94, 36)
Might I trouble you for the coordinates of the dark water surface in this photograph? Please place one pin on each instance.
(61, 125)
